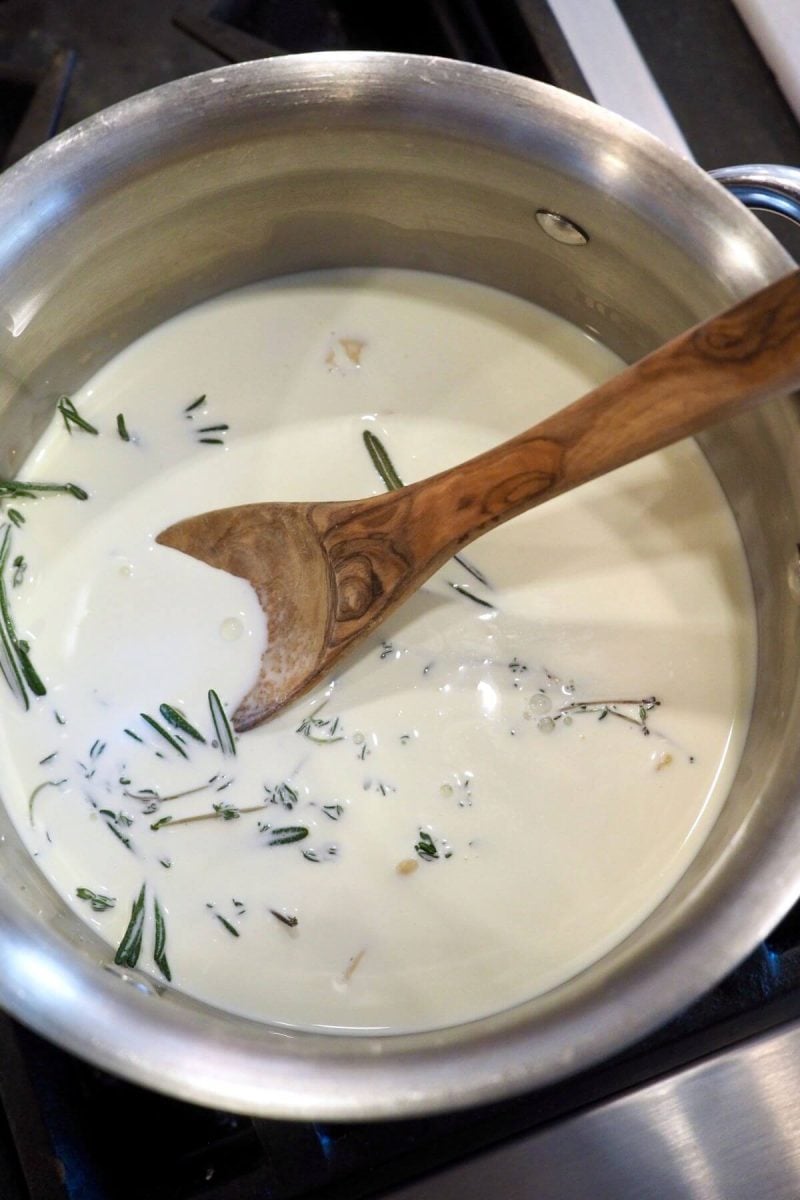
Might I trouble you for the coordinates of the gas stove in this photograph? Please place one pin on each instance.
(703, 1108)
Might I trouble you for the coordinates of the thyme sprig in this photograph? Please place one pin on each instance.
(73, 418)
(610, 708)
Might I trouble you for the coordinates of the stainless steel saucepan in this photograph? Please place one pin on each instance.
(356, 159)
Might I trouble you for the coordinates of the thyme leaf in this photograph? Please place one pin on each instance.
(122, 428)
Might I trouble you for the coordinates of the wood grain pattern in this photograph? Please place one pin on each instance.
(327, 574)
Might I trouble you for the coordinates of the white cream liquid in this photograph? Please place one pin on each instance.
(556, 832)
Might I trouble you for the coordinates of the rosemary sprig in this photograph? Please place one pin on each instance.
(610, 708)
(160, 944)
(222, 726)
(164, 733)
(122, 428)
(15, 489)
(72, 417)
(130, 947)
(392, 481)
(98, 901)
(177, 720)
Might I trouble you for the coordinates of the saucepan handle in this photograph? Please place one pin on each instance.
(764, 186)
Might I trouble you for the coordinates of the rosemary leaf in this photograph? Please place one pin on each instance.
(97, 900)
(222, 726)
(160, 944)
(292, 921)
(381, 462)
(164, 733)
(175, 718)
(392, 481)
(230, 928)
(463, 591)
(130, 947)
(286, 835)
(195, 404)
(12, 646)
(72, 417)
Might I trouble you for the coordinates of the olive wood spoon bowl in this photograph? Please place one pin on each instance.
(327, 574)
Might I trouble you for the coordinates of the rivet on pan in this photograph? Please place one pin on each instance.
(560, 229)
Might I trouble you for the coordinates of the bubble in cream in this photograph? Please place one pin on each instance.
(231, 629)
(540, 703)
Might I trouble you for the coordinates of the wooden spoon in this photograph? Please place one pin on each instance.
(326, 574)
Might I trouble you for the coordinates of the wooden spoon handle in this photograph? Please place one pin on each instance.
(719, 367)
